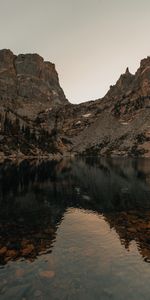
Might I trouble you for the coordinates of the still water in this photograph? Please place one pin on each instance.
(75, 229)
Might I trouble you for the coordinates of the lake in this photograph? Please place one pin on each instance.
(75, 229)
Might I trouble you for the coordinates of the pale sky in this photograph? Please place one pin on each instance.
(91, 42)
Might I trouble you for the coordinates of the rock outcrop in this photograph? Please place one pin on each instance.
(28, 84)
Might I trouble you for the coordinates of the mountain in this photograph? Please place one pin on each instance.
(28, 84)
(37, 119)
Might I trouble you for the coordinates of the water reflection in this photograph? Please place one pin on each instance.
(34, 196)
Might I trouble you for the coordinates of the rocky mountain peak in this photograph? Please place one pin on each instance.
(142, 77)
(127, 72)
(27, 80)
(122, 85)
(6, 58)
(144, 68)
(145, 63)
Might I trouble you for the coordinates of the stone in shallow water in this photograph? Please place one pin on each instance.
(27, 250)
(37, 293)
(47, 274)
(19, 272)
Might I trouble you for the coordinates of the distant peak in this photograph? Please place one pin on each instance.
(127, 71)
(145, 62)
(30, 77)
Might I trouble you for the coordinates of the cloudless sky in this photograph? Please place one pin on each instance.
(90, 41)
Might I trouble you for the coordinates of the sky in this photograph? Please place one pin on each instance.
(91, 42)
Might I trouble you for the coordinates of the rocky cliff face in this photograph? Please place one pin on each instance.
(28, 84)
(36, 118)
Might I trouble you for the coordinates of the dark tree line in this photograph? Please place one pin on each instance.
(23, 133)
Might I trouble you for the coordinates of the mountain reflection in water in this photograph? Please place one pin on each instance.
(34, 197)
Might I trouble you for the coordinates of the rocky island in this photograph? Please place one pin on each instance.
(37, 120)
